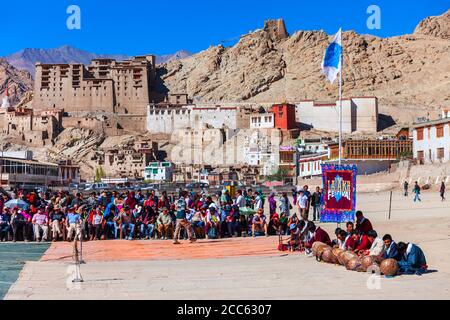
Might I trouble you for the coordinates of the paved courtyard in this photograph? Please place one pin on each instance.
(245, 268)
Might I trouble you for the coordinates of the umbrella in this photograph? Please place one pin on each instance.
(246, 211)
(17, 203)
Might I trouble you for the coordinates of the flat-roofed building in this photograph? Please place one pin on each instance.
(159, 171)
(431, 141)
(358, 114)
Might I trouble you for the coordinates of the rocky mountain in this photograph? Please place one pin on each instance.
(410, 74)
(18, 82)
(435, 26)
(25, 59)
(171, 57)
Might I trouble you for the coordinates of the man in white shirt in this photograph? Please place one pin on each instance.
(240, 201)
(303, 205)
(377, 248)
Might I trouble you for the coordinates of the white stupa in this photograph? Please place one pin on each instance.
(5, 103)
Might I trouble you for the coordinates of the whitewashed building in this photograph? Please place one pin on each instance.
(431, 140)
(310, 165)
(262, 121)
(358, 114)
(168, 118)
(159, 171)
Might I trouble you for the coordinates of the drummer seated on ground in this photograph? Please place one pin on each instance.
(335, 242)
(377, 247)
(362, 242)
(412, 259)
(259, 224)
(318, 234)
(390, 248)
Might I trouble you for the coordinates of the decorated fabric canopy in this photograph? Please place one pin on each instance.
(339, 185)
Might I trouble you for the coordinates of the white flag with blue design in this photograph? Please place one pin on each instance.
(332, 63)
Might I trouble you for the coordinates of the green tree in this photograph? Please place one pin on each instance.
(99, 174)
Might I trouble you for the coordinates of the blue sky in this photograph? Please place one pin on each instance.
(145, 26)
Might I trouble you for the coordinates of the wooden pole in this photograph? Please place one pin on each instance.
(390, 204)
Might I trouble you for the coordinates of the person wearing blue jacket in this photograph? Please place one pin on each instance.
(390, 248)
(412, 259)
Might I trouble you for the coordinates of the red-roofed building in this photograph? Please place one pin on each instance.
(284, 116)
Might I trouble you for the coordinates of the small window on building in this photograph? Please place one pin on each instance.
(419, 134)
(440, 153)
(440, 131)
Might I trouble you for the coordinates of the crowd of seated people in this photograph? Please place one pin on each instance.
(57, 216)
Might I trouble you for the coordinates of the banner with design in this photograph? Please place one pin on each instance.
(339, 193)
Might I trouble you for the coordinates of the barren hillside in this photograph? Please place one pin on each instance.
(410, 74)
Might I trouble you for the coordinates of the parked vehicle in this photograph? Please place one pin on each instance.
(97, 186)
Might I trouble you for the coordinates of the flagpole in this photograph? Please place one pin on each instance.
(340, 105)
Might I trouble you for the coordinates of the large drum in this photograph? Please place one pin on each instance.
(368, 261)
(337, 252)
(316, 245)
(389, 267)
(346, 256)
(329, 257)
(353, 264)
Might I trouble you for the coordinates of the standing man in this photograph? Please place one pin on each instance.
(442, 191)
(405, 188)
(308, 195)
(303, 205)
(240, 201)
(182, 222)
(316, 203)
(416, 190)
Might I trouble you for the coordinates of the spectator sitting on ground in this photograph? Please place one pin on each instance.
(126, 218)
(165, 224)
(259, 224)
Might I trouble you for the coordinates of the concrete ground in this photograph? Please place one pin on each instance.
(246, 268)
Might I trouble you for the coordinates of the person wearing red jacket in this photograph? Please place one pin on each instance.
(346, 241)
(318, 235)
(362, 223)
(362, 241)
